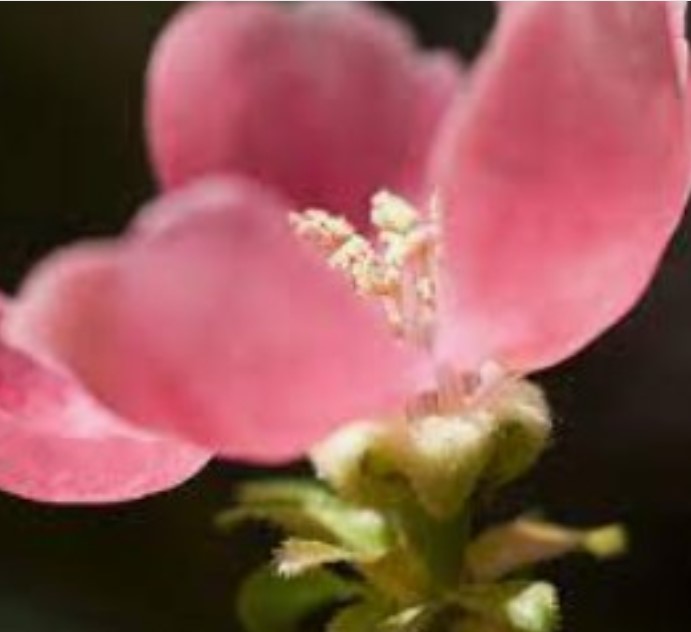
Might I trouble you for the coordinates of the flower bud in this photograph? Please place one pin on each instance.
(440, 459)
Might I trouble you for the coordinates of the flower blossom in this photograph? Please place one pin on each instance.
(541, 185)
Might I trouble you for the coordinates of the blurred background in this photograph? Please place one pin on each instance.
(72, 163)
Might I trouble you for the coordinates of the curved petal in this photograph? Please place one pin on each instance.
(57, 445)
(327, 102)
(563, 179)
(219, 327)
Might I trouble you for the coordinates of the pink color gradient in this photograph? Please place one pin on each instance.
(236, 338)
(562, 160)
(326, 102)
(58, 445)
(563, 178)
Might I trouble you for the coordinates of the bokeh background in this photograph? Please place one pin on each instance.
(72, 163)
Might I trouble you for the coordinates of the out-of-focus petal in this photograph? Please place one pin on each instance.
(57, 445)
(327, 102)
(219, 327)
(564, 178)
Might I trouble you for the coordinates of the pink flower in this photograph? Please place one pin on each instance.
(560, 161)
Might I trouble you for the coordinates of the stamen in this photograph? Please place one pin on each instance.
(393, 214)
(397, 266)
(321, 229)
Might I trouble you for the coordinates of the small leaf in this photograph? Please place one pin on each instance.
(522, 606)
(269, 603)
(308, 510)
(524, 542)
(289, 519)
(293, 492)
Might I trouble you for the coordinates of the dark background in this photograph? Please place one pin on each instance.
(72, 163)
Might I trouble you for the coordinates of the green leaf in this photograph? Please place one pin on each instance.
(522, 606)
(308, 510)
(270, 603)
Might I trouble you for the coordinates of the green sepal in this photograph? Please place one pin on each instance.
(444, 459)
(308, 510)
(520, 606)
(270, 603)
(522, 430)
(361, 462)
(436, 460)
(441, 459)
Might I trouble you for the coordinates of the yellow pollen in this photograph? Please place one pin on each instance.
(321, 229)
(397, 265)
(393, 214)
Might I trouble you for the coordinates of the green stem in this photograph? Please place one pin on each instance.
(439, 544)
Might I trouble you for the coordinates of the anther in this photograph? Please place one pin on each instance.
(396, 266)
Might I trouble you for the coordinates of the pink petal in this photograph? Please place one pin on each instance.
(219, 327)
(328, 102)
(57, 445)
(564, 178)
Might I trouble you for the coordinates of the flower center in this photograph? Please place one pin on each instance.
(396, 265)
